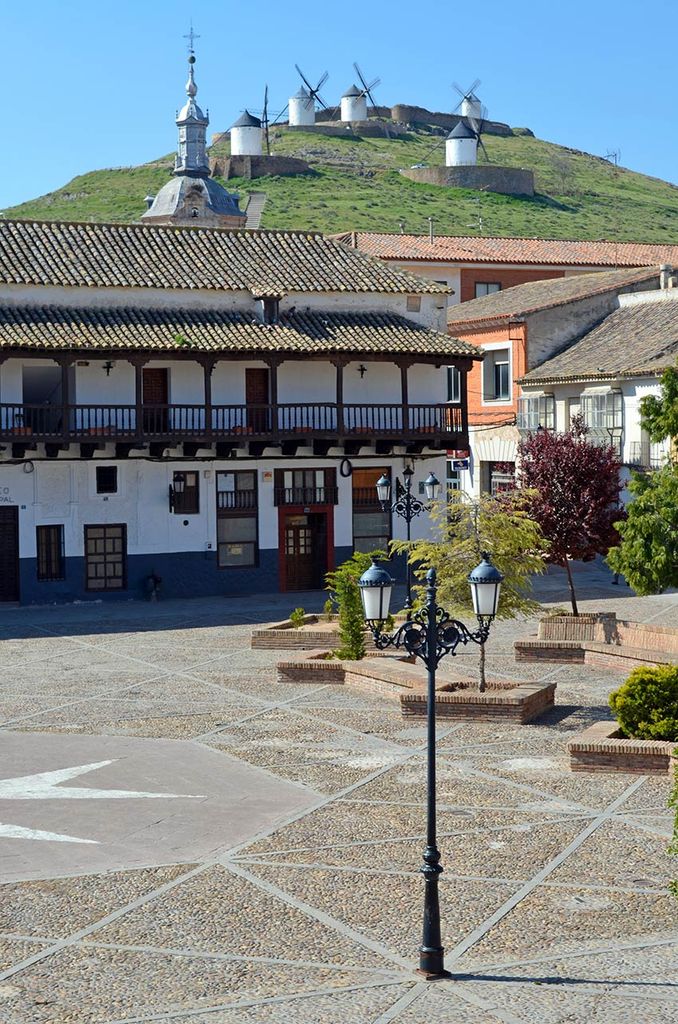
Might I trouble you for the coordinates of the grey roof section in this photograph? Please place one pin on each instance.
(247, 120)
(302, 94)
(352, 90)
(512, 303)
(173, 195)
(462, 131)
(638, 339)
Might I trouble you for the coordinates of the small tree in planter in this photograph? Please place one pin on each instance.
(464, 528)
(575, 488)
(343, 585)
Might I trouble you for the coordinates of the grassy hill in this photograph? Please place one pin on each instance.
(355, 184)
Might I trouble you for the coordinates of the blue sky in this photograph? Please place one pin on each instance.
(90, 85)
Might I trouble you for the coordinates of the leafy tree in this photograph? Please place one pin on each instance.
(575, 489)
(648, 553)
(343, 586)
(464, 529)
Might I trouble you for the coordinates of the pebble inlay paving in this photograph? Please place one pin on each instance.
(306, 909)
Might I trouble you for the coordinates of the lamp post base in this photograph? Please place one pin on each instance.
(434, 975)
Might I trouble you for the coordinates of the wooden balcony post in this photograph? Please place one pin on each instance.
(208, 369)
(340, 363)
(404, 396)
(463, 395)
(138, 363)
(65, 362)
(273, 362)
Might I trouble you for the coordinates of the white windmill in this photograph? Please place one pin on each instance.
(302, 105)
(354, 100)
(247, 136)
(469, 105)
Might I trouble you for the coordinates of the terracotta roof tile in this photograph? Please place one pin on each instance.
(562, 252)
(511, 303)
(153, 256)
(141, 330)
(638, 338)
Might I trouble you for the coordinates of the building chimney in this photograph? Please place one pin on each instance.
(665, 272)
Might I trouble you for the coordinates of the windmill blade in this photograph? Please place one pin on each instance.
(359, 74)
(320, 84)
(482, 146)
(368, 91)
(472, 88)
(304, 79)
(321, 102)
(455, 85)
(279, 116)
(264, 121)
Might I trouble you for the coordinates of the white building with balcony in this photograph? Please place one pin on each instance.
(208, 406)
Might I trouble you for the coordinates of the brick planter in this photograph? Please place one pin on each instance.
(600, 748)
(601, 640)
(403, 679)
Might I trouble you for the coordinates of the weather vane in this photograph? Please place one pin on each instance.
(191, 36)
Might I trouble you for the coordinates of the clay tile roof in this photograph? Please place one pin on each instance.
(512, 303)
(539, 251)
(207, 330)
(153, 256)
(639, 338)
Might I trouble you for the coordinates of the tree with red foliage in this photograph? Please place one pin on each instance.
(576, 494)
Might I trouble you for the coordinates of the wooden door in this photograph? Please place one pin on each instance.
(305, 551)
(106, 556)
(257, 392)
(9, 553)
(155, 399)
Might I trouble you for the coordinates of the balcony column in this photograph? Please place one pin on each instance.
(138, 363)
(273, 362)
(340, 362)
(65, 362)
(464, 370)
(404, 396)
(208, 369)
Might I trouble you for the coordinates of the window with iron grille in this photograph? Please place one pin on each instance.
(536, 412)
(186, 493)
(237, 537)
(305, 487)
(50, 547)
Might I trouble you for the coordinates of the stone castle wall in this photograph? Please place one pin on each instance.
(511, 181)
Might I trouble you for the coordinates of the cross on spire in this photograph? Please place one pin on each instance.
(191, 36)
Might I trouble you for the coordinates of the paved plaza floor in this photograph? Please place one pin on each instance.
(184, 839)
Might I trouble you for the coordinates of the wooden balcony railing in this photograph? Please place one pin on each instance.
(58, 423)
(305, 496)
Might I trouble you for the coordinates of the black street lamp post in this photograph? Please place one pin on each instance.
(430, 634)
(407, 507)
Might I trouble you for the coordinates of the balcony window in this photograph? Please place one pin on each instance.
(603, 413)
(453, 384)
(497, 375)
(536, 412)
(305, 487)
(237, 541)
(371, 525)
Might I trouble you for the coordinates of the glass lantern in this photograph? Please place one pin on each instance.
(485, 582)
(376, 587)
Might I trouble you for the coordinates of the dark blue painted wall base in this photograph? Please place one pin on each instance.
(184, 574)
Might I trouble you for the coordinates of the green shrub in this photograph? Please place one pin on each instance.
(343, 584)
(328, 608)
(646, 705)
(297, 617)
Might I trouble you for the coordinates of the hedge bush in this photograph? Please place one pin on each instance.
(646, 705)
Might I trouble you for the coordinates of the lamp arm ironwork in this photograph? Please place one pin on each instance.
(413, 635)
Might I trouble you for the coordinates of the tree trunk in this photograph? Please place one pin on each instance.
(481, 669)
(570, 583)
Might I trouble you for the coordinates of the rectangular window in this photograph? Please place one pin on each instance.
(486, 288)
(186, 493)
(51, 561)
(106, 557)
(371, 525)
(536, 412)
(413, 303)
(453, 384)
(107, 479)
(604, 416)
(237, 545)
(496, 371)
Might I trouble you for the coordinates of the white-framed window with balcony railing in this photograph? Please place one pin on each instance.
(536, 412)
(602, 410)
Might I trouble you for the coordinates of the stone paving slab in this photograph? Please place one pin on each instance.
(554, 899)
